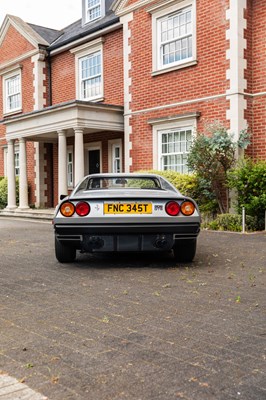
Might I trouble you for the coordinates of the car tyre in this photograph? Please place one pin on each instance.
(185, 250)
(63, 253)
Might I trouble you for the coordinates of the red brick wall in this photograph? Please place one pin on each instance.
(113, 68)
(27, 106)
(142, 142)
(63, 77)
(27, 86)
(55, 173)
(257, 117)
(63, 72)
(14, 45)
(48, 169)
(31, 171)
(256, 74)
(207, 78)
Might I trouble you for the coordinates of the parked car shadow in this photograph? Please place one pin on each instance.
(127, 260)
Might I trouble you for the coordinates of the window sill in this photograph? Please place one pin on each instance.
(174, 68)
(94, 100)
(13, 112)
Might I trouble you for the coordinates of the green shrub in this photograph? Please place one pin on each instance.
(211, 156)
(193, 186)
(185, 183)
(232, 222)
(3, 192)
(249, 180)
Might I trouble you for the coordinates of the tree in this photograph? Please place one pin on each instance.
(211, 156)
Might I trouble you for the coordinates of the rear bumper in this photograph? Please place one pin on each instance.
(132, 237)
(182, 230)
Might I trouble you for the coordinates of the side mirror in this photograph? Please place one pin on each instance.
(63, 196)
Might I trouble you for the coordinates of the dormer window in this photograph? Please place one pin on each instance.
(93, 10)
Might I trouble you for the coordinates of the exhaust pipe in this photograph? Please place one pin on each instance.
(91, 243)
(161, 242)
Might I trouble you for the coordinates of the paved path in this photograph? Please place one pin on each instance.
(133, 328)
(11, 389)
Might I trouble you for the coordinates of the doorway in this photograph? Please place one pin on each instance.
(94, 161)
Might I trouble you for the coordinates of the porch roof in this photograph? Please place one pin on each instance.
(43, 125)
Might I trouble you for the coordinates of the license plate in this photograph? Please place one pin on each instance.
(127, 208)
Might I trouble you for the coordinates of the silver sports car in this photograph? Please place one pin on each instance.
(126, 212)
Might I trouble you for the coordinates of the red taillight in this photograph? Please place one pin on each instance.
(82, 209)
(187, 208)
(67, 209)
(172, 208)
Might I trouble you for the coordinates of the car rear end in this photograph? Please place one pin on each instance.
(130, 221)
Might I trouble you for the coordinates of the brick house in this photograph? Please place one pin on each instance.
(125, 88)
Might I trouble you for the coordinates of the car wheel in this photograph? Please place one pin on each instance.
(63, 253)
(185, 250)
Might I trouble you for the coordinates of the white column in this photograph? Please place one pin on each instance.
(126, 19)
(79, 155)
(11, 179)
(62, 163)
(235, 35)
(23, 181)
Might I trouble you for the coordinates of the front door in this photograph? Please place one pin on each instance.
(94, 161)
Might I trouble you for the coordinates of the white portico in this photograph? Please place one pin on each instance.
(55, 124)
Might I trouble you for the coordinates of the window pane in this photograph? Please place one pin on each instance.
(92, 3)
(117, 152)
(93, 9)
(70, 168)
(174, 149)
(190, 47)
(116, 158)
(13, 95)
(176, 37)
(91, 79)
(16, 163)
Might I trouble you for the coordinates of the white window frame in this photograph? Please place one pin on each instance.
(86, 51)
(161, 127)
(112, 146)
(6, 79)
(88, 10)
(182, 165)
(70, 179)
(158, 15)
